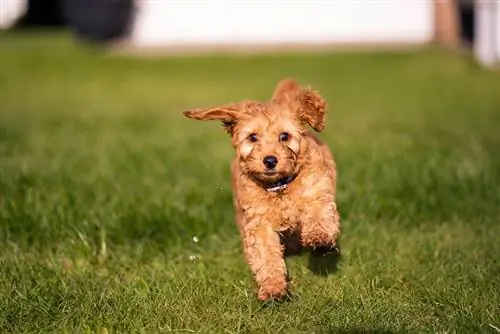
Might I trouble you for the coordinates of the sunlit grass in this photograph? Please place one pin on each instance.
(104, 185)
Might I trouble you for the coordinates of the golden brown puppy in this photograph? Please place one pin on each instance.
(283, 179)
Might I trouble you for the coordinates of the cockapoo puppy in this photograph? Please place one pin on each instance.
(283, 180)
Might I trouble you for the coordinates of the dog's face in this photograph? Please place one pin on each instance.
(268, 136)
(269, 144)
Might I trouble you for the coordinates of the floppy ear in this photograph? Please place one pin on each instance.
(312, 109)
(309, 104)
(228, 116)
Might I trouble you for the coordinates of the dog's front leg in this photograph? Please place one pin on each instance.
(264, 254)
(322, 232)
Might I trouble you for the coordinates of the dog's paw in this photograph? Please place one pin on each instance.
(325, 250)
(277, 291)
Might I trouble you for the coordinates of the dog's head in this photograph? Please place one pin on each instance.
(269, 136)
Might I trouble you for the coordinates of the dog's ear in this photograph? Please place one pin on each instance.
(284, 88)
(226, 114)
(309, 104)
(312, 108)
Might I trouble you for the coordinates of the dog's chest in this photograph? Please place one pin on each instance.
(286, 212)
(300, 202)
(277, 209)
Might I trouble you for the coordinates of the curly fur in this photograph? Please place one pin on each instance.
(306, 205)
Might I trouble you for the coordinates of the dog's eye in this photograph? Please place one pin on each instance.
(252, 137)
(284, 136)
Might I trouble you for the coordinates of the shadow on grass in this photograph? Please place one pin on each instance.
(324, 262)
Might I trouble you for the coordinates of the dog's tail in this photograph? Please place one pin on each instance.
(285, 86)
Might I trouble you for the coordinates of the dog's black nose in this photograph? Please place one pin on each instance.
(270, 161)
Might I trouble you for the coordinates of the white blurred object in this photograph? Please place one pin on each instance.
(238, 22)
(11, 11)
(487, 32)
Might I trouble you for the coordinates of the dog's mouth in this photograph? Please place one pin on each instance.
(264, 178)
(270, 178)
(278, 183)
(270, 172)
(269, 175)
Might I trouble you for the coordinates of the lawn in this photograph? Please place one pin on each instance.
(116, 213)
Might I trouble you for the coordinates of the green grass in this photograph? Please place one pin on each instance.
(104, 184)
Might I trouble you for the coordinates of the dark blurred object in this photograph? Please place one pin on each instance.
(91, 20)
(466, 8)
(47, 13)
(99, 20)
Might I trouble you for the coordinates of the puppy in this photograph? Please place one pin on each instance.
(283, 180)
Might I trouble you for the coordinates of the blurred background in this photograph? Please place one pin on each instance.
(217, 24)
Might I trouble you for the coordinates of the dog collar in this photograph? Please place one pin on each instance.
(280, 184)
